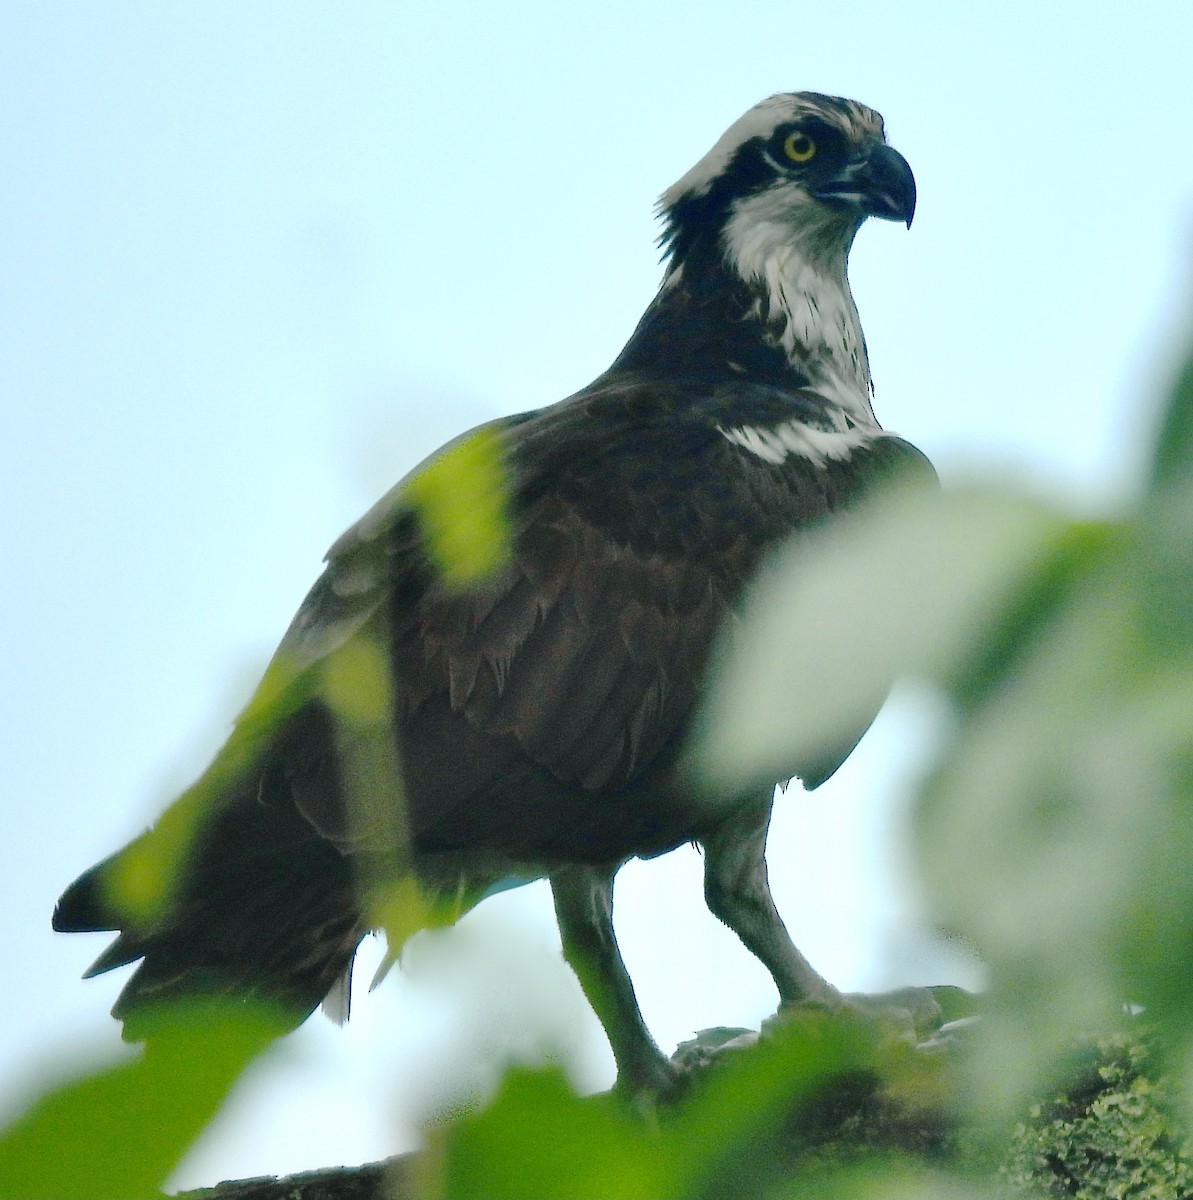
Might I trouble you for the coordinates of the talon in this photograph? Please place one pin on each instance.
(906, 1014)
(700, 1052)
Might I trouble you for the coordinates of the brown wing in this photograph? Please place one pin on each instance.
(540, 714)
(567, 680)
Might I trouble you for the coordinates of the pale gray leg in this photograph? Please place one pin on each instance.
(584, 909)
(738, 892)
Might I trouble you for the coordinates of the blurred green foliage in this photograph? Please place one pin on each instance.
(1055, 831)
(117, 1134)
(1055, 828)
(1112, 1132)
(461, 495)
(740, 1132)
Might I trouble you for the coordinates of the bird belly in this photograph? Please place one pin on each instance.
(470, 792)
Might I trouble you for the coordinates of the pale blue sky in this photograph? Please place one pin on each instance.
(256, 259)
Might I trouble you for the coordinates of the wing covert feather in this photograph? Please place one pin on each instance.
(589, 658)
(574, 669)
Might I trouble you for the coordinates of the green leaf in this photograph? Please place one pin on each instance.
(907, 584)
(1173, 457)
(462, 498)
(1057, 830)
(118, 1134)
(735, 1136)
(539, 1141)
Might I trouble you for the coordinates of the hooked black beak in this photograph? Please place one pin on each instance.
(877, 183)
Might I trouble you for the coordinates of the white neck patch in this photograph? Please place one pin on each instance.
(792, 250)
(795, 438)
(795, 251)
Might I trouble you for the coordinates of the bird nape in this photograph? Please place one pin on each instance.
(528, 722)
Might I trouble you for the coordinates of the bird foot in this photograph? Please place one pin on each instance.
(908, 1014)
(930, 1019)
(914, 1015)
(694, 1055)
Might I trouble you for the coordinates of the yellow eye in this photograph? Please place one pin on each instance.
(798, 147)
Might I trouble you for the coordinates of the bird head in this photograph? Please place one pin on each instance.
(800, 171)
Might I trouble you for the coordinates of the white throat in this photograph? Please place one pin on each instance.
(800, 271)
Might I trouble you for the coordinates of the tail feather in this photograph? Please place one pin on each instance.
(120, 953)
(265, 911)
(85, 906)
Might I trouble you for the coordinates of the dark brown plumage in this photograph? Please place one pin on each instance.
(539, 714)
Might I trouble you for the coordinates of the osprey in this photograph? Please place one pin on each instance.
(529, 723)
